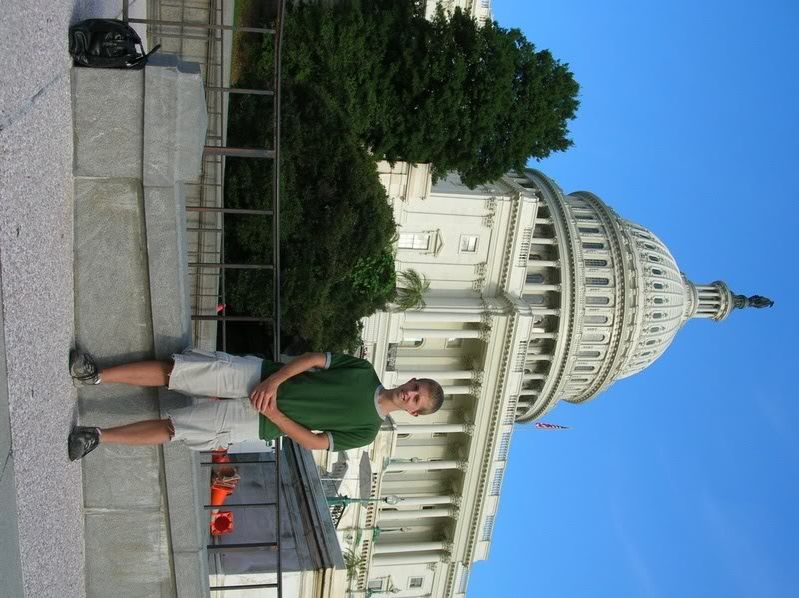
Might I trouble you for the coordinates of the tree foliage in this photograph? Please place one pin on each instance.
(477, 99)
(336, 225)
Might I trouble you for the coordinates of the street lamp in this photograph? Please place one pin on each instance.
(346, 500)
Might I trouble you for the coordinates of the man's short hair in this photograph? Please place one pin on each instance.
(436, 395)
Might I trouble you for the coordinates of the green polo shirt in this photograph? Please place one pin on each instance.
(339, 399)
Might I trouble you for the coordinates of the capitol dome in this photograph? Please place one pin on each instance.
(609, 297)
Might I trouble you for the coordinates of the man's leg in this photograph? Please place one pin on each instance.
(84, 370)
(139, 373)
(83, 440)
(149, 431)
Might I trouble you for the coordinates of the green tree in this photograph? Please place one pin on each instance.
(336, 224)
(476, 99)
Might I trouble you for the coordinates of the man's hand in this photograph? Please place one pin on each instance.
(265, 394)
(271, 411)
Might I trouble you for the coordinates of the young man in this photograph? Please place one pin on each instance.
(337, 395)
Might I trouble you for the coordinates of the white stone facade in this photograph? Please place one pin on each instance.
(536, 296)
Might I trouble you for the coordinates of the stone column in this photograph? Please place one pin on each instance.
(398, 548)
(382, 560)
(412, 333)
(431, 428)
(422, 465)
(459, 389)
(415, 514)
(412, 317)
(436, 374)
(422, 501)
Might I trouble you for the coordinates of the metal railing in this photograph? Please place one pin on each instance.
(215, 546)
(194, 30)
(204, 42)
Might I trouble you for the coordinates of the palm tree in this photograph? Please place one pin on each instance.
(353, 562)
(410, 293)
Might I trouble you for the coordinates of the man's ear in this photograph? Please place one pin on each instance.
(414, 413)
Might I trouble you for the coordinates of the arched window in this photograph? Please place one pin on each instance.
(592, 338)
(597, 300)
(659, 286)
(584, 217)
(593, 245)
(534, 278)
(657, 271)
(591, 263)
(658, 315)
(588, 354)
(596, 319)
(411, 343)
(660, 301)
(588, 230)
(653, 258)
(584, 368)
(592, 281)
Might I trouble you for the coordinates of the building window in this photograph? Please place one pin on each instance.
(488, 528)
(589, 230)
(415, 582)
(419, 241)
(504, 446)
(596, 319)
(411, 343)
(587, 354)
(659, 286)
(596, 263)
(593, 245)
(496, 483)
(468, 243)
(597, 300)
(454, 343)
(592, 338)
(535, 278)
(375, 584)
(584, 368)
(592, 281)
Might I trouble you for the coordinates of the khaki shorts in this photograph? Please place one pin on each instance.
(207, 424)
(214, 374)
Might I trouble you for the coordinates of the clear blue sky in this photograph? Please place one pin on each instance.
(684, 480)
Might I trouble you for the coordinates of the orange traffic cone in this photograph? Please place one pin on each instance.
(221, 523)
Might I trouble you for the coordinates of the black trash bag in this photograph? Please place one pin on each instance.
(107, 43)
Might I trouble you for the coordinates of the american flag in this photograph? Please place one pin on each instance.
(546, 426)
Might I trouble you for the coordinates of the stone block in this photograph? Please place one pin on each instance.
(191, 574)
(10, 565)
(120, 477)
(187, 490)
(108, 120)
(175, 121)
(112, 300)
(165, 217)
(128, 555)
(160, 119)
(192, 122)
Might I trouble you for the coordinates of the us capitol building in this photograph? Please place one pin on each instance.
(536, 296)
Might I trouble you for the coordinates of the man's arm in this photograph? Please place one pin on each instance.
(266, 391)
(298, 433)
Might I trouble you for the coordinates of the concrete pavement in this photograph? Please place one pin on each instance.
(41, 524)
